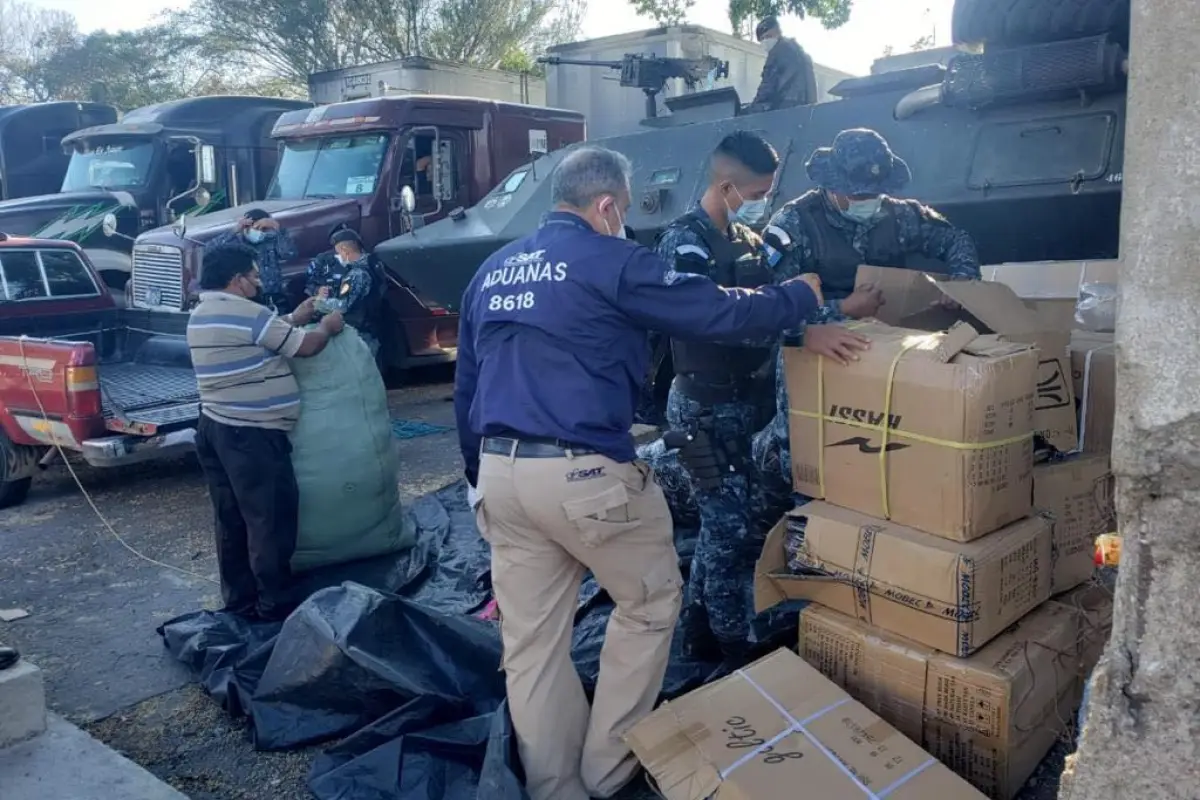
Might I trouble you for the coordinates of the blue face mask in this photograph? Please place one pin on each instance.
(254, 235)
(750, 212)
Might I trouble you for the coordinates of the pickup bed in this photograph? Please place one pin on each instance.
(77, 372)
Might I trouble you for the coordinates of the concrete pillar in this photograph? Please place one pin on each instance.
(22, 703)
(1142, 738)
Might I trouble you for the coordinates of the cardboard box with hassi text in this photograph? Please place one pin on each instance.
(989, 308)
(950, 596)
(1077, 495)
(777, 730)
(955, 455)
(991, 717)
(1094, 372)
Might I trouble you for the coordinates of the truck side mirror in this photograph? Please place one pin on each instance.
(206, 165)
(408, 200)
(108, 225)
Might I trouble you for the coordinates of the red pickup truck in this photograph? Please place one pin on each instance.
(78, 372)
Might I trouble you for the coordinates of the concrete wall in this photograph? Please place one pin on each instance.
(936, 55)
(612, 109)
(424, 76)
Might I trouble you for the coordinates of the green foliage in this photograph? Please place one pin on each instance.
(745, 14)
(264, 47)
(664, 12)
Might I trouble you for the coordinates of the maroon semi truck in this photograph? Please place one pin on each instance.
(360, 164)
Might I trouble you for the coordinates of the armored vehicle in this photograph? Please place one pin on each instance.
(31, 160)
(1018, 142)
(193, 155)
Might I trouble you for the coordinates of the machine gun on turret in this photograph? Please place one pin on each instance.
(651, 73)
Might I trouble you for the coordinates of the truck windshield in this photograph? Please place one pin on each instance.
(342, 165)
(109, 165)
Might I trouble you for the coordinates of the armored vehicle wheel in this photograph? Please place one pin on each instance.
(1019, 22)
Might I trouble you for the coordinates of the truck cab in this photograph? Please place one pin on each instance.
(31, 159)
(190, 156)
(382, 166)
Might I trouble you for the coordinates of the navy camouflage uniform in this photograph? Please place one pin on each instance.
(719, 592)
(275, 249)
(350, 287)
(859, 163)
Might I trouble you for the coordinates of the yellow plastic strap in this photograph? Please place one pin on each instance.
(884, 430)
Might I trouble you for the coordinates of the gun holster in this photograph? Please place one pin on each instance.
(705, 457)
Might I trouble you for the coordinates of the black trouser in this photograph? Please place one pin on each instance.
(256, 501)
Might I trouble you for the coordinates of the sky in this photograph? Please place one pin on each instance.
(874, 24)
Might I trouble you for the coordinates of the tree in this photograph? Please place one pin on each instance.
(664, 12)
(744, 14)
(924, 43)
(1139, 739)
(27, 36)
(291, 39)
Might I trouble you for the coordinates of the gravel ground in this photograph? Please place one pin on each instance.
(94, 605)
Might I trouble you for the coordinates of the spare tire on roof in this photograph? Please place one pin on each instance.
(1019, 22)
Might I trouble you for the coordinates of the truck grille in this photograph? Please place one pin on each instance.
(158, 277)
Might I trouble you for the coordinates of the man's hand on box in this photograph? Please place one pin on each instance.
(864, 302)
(836, 342)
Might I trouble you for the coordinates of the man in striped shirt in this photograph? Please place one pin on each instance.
(249, 401)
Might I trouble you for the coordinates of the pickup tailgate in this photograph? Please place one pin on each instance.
(148, 398)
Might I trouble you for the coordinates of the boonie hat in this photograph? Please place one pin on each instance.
(859, 162)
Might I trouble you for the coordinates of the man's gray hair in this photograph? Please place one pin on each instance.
(587, 173)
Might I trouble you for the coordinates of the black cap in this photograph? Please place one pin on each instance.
(255, 214)
(346, 235)
(768, 24)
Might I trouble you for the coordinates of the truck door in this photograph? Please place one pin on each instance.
(434, 164)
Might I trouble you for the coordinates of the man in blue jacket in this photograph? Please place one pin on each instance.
(553, 347)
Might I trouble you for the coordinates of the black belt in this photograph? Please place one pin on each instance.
(532, 447)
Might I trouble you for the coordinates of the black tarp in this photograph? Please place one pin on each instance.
(387, 656)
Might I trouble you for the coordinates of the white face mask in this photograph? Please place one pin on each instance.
(620, 231)
(863, 210)
(769, 43)
(254, 235)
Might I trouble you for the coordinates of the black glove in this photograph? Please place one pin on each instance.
(697, 455)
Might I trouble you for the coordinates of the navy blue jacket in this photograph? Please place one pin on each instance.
(553, 334)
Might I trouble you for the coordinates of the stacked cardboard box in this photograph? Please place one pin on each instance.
(776, 730)
(927, 562)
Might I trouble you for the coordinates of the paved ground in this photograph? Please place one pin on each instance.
(93, 607)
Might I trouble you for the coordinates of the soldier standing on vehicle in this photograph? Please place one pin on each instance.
(273, 246)
(349, 280)
(552, 349)
(720, 387)
(788, 77)
(249, 400)
(848, 220)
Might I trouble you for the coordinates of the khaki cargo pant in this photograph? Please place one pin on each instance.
(547, 521)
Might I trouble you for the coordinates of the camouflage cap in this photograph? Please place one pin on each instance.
(860, 162)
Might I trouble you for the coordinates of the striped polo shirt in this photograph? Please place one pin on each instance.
(240, 351)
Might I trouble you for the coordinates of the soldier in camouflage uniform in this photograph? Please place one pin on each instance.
(273, 245)
(848, 220)
(348, 280)
(718, 389)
